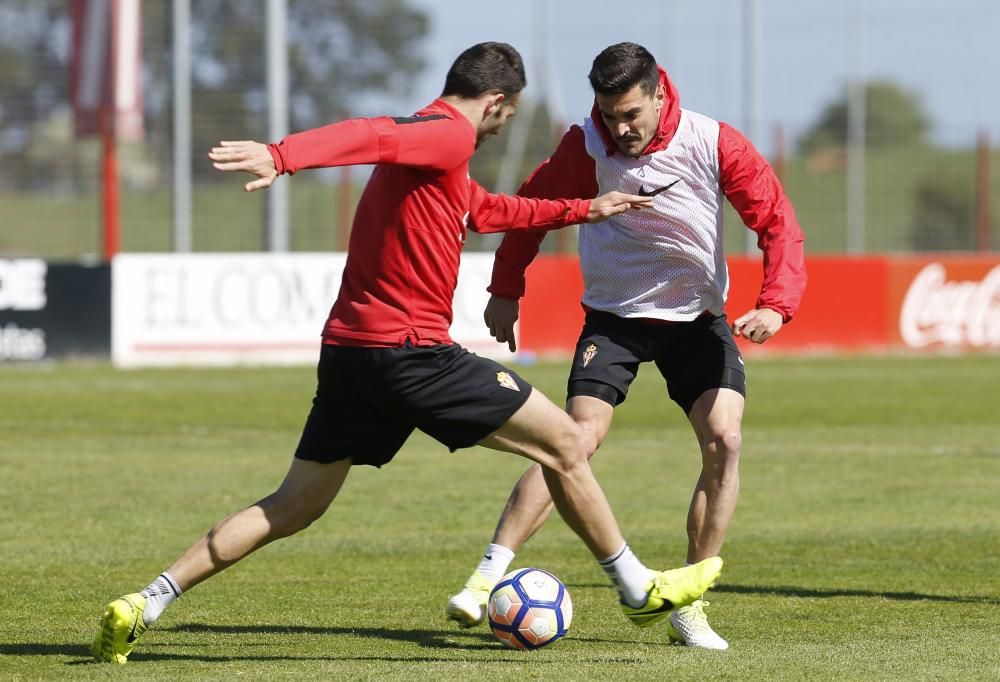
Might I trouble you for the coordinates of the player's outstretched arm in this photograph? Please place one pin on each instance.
(757, 325)
(613, 203)
(246, 156)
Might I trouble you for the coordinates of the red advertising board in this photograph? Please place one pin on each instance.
(551, 315)
(842, 309)
(851, 304)
(945, 303)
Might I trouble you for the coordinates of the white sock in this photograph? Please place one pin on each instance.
(629, 575)
(159, 595)
(495, 562)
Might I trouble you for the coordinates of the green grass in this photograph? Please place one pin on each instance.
(224, 218)
(865, 545)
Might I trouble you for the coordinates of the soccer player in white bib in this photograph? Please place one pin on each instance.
(655, 283)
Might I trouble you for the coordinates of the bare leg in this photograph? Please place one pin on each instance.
(717, 418)
(546, 434)
(306, 492)
(530, 503)
(550, 437)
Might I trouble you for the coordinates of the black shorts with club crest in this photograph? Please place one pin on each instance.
(369, 400)
(693, 357)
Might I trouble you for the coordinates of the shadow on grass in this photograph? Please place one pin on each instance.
(435, 639)
(819, 593)
(147, 657)
(33, 649)
(426, 638)
(809, 593)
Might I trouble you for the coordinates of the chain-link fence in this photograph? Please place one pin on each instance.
(918, 194)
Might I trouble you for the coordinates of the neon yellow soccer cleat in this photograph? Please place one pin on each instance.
(121, 626)
(468, 607)
(674, 589)
(689, 626)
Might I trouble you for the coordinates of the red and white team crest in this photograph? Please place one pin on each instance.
(507, 381)
(588, 354)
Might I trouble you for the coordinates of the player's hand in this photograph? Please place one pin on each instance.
(247, 156)
(758, 325)
(613, 203)
(500, 316)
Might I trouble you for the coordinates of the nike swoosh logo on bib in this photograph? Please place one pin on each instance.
(643, 192)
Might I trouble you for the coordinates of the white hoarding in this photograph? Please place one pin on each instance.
(226, 309)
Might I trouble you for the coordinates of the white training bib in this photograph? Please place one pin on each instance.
(666, 262)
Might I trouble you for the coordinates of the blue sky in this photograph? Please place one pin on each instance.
(946, 52)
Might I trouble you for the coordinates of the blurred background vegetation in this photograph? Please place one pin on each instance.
(919, 196)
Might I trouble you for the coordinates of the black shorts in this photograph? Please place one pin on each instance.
(693, 357)
(369, 400)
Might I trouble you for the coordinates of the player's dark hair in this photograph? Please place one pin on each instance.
(621, 67)
(484, 68)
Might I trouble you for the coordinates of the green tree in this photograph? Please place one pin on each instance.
(944, 215)
(893, 117)
(542, 137)
(34, 48)
(342, 54)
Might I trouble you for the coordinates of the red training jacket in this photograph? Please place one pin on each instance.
(411, 221)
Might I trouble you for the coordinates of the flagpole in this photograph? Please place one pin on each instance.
(183, 235)
(276, 234)
(109, 173)
(109, 161)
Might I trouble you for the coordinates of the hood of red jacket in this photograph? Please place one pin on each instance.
(670, 117)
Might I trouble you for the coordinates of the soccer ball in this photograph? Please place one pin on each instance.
(529, 608)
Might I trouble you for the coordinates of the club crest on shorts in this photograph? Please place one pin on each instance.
(507, 381)
(588, 354)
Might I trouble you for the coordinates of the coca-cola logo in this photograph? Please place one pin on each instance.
(957, 313)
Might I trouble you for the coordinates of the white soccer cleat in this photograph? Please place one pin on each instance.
(689, 626)
(468, 607)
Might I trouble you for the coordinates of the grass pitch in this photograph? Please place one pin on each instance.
(866, 544)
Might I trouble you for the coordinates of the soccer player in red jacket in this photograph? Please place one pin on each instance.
(655, 284)
(387, 364)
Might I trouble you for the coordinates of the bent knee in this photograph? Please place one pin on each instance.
(591, 442)
(570, 448)
(722, 447)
